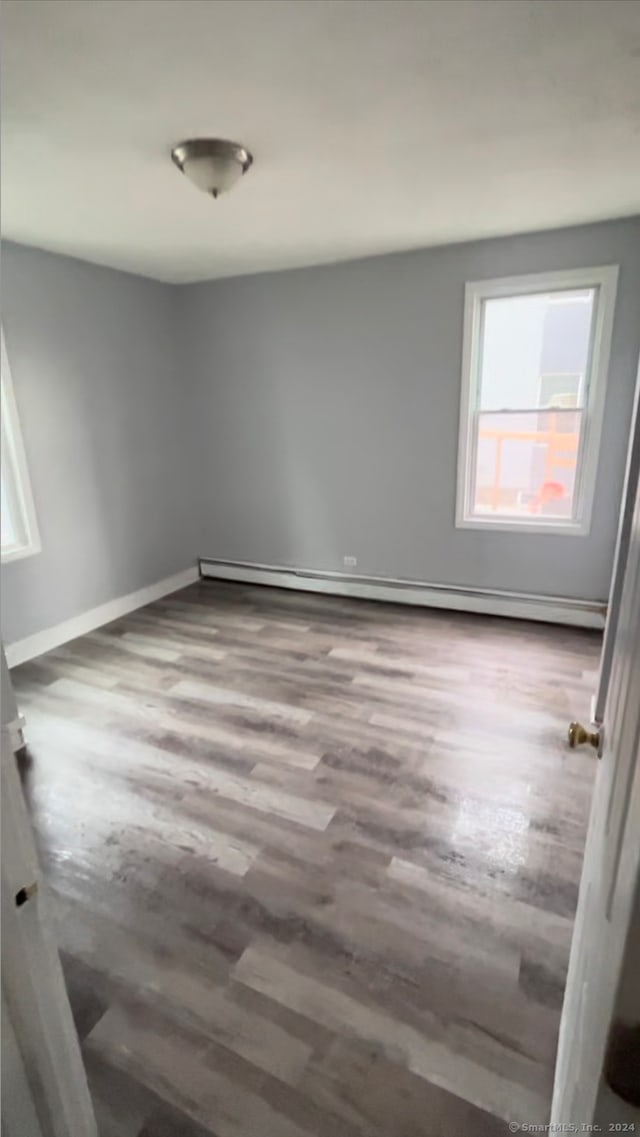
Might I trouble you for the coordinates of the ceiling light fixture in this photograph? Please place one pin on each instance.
(212, 164)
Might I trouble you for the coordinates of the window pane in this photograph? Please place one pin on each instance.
(535, 350)
(525, 464)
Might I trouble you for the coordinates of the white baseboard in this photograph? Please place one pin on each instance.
(32, 646)
(519, 605)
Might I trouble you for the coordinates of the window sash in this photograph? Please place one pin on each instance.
(525, 293)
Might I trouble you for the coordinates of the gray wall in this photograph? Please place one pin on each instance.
(328, 414)
(94, 359)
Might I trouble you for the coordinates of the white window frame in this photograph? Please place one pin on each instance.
(16, 473)
(603, 279)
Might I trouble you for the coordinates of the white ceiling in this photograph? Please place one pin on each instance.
(375, 125)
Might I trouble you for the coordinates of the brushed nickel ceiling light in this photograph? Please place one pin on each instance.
(212, 164)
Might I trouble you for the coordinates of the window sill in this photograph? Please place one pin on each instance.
(557, 528)
(20, 552)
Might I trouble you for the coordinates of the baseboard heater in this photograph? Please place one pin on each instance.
(518, 605)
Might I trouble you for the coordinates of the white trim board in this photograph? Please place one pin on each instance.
(518, 605)
(50, 638)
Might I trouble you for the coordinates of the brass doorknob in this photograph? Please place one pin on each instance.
(578, 734)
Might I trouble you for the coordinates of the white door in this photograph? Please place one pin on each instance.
(37, 1005)
(17, 1105)
(610, 869)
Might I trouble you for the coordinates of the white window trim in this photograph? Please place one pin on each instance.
(14, 458)
(605, 279)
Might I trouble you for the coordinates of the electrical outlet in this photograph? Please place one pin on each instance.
(350, 562)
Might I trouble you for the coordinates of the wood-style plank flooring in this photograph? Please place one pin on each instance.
(313, 863)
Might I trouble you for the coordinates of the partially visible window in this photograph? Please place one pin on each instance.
(534, 371)
(20, 535)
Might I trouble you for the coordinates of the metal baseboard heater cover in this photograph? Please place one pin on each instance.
(518, 605)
